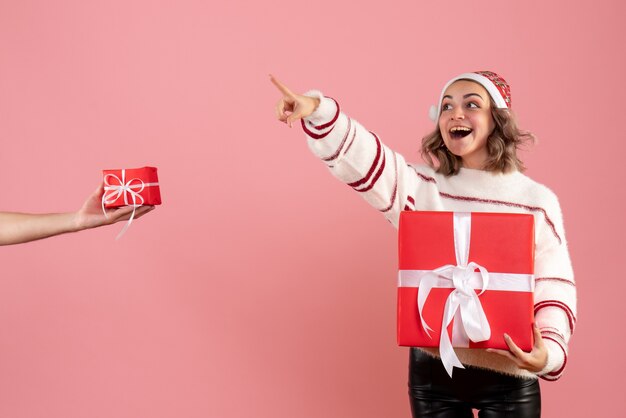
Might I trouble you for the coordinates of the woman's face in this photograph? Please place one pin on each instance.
(466, 122)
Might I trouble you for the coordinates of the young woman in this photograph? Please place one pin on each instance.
(472, 167)
(16, 228)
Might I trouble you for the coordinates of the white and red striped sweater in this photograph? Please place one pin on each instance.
(358, 158)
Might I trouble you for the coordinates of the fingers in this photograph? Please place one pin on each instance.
(281, 107)
(519, 362)
(143, 210)
(295, 115)
(533, 361)
(518, 352)
(294, 108)
(124, 213)
(290, 119)
(99, 190)
(96, 195)
(120, 214)
(504, 353)
(283, 89)
(515, 354)
(291, 107)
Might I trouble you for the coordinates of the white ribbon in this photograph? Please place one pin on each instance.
(112, 192)
(462, 300)
(511, 282)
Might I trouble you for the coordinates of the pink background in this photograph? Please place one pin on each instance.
(264, 287)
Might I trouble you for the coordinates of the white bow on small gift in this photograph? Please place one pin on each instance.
(121, 187)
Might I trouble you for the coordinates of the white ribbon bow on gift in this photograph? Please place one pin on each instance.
(112, 192)
(463, 303)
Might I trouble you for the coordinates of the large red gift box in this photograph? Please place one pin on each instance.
(435, 249)
(131, 187)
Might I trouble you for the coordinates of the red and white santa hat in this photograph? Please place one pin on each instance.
(496, 86)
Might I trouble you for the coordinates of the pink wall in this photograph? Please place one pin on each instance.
(263, 287)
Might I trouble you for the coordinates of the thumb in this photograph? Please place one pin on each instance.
(97, 194)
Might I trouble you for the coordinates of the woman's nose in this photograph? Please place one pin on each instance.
(457, 113)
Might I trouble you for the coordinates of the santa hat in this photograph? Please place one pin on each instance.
(496, 86)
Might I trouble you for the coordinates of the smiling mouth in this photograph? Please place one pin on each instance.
(459, 132)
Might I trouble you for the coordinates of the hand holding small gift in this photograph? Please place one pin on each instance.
(534, 361)
(92, 216)
(16, 228)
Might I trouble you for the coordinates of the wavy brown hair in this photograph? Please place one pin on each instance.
(502, 146)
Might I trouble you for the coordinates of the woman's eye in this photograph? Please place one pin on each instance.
(473, 105)
(446, 106)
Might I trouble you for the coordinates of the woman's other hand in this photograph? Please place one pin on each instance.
(534, 361)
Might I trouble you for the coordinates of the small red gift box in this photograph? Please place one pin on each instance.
(471, 273)
(131, 187)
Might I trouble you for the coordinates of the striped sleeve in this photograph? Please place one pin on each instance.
(555, 291)
(361, 160)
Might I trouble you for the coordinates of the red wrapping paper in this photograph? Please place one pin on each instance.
(133, 178)
(500, 242)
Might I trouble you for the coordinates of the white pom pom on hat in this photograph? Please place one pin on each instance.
(432, 113)
(496, 86)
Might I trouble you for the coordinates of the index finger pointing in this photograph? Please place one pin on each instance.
(280, 86)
